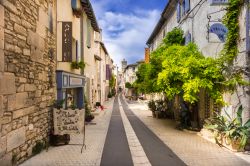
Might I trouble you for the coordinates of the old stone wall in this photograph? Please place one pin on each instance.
(27, 76)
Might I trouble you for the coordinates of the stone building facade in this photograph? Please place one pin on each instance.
(197, 18)
(27, 76)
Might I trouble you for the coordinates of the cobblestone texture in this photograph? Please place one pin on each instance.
(70, 155)
(190, 147)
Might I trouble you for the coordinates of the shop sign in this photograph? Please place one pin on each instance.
(218, 2)
(75, 81)
(220, 30)
(66, 41)
(68, 121)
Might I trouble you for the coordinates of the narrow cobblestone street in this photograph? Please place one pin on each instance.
(70, 155)
(138, 139)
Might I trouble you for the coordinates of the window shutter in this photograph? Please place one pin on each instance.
(107, 72)
(187, 5)
(188, 38)
(178, 12)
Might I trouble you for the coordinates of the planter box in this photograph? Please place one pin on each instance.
(231, 144)
(153, 114)
(227, 143)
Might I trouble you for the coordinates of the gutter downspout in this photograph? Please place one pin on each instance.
(247, 75)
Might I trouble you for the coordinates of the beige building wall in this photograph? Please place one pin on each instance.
(90, 64)
(103, 75)
(65, 14)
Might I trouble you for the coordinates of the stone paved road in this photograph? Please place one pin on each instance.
(191, 148)
(70, 155)
(116, 150)
(158, 153)
(143, 136)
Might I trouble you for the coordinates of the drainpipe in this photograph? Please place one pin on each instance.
(82, 56)
(246, 114)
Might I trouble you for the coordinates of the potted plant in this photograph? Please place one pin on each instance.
(88, 116)
(152, 107)
(229, 132)
(109, 95)
(77, 65)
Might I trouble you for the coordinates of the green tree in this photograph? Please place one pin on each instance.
(185, 70)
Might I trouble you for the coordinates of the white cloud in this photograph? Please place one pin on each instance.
(125, 34)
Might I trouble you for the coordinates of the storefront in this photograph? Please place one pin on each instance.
(70, 89)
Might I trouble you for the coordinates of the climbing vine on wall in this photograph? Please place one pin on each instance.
(231, 21)
(230, 51)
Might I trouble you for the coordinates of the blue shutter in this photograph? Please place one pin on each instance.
(183, 7)
(187, 5)
(178, 12)
(188, 38)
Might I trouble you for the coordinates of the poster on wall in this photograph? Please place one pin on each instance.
(66, 41)
(68, 121)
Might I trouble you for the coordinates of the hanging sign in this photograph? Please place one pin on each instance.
(218, 2)
(220, 30)
(68, 121)
(66, 41)
(76, 81)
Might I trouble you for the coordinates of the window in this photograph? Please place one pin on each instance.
(183, 6)
(70, 96)
(75, 51)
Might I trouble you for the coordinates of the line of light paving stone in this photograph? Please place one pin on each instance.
(138, 155)
(70, 155)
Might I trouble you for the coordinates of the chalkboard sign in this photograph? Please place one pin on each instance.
(68, 121)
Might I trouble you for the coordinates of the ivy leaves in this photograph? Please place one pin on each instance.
(231, 21)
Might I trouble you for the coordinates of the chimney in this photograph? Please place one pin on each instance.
(147, 55)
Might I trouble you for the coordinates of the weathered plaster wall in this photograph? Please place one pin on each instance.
(65, 14)
(196, 23)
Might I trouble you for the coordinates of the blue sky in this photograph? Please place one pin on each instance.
(127, 24)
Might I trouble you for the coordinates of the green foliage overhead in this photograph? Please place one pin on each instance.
(174, 37)
(177, 69)
(147, 73)
(185, 70)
